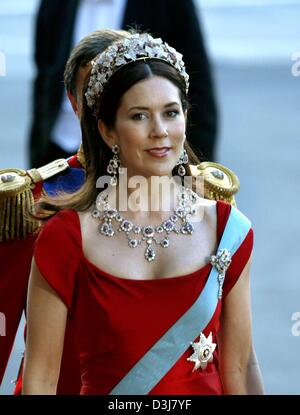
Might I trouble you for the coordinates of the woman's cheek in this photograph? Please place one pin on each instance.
(180, 125)
(179, 134)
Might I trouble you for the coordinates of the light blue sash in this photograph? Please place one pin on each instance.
(158, 360)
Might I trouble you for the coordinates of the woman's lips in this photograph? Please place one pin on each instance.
(158, 152)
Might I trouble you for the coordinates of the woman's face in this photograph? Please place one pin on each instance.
(149, 128)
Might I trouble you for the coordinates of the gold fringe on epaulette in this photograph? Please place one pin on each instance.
(16, 201)
(208, 194)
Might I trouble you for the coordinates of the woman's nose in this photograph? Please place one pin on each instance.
(158, 129)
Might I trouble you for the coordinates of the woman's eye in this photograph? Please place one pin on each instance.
(138, 116)
(172, 113)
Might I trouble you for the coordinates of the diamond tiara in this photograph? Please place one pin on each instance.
(120, 53)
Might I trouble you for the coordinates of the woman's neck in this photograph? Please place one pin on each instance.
(145, 200)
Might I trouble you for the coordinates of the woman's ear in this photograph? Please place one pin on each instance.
(106, 133)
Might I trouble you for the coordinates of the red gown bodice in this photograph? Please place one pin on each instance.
(116, 320)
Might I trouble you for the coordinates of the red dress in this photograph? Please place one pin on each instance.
(15, 260)
(116, 320)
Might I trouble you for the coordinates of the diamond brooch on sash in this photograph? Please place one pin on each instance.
(203, 352)
(221, 261)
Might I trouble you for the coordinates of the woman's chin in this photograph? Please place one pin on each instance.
(162, 170)
(153, 169)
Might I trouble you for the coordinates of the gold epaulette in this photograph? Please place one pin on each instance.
(16, 198)
(47, 171)
(220, 183)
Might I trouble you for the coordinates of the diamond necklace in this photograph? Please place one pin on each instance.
(147, 234)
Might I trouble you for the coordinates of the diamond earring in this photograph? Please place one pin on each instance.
(184, 159)
(114, 164)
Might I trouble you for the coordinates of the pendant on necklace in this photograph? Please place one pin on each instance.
(106, 215)
(150, 254)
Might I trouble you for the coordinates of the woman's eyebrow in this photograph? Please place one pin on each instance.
(170, 104)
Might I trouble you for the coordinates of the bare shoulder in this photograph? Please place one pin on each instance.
(83, 216)
(85, 219)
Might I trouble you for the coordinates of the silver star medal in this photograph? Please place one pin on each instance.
(221, 261)
(203, 352)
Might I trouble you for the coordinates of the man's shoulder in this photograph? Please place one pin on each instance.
(19, 189)
(216, 181)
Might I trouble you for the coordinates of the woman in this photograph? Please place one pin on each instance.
(165, 308)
